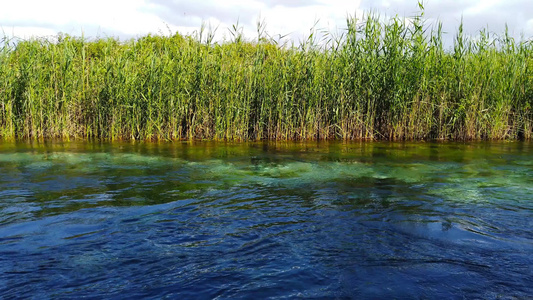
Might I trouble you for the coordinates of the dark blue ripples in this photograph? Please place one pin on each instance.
(221, 229)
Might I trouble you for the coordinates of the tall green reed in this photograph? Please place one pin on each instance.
(380, 79)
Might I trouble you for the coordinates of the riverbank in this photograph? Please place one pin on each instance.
(379, 81)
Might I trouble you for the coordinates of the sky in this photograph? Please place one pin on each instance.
(293, 19)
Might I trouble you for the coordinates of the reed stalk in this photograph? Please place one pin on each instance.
(392, 80)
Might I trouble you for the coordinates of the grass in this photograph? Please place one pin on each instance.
(392, 80)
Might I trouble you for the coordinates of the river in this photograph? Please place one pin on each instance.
(219, 220)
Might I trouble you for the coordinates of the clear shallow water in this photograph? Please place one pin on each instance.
(208, 220)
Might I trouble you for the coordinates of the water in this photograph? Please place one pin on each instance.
(231, 221)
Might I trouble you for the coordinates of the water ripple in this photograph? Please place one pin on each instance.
(431, 221)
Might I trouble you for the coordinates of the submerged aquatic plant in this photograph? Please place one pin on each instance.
(379, 80)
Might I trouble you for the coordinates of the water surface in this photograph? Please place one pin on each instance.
(266, 220)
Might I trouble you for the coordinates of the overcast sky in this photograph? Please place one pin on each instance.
(133, 18)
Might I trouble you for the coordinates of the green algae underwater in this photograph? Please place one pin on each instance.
(379, 80)
(266, 219)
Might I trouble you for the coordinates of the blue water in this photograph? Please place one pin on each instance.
(273, 220)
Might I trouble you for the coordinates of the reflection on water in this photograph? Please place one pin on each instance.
(206, 220)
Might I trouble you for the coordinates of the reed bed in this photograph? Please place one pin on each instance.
(391, 80)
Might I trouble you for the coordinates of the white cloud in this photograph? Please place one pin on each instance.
(26, 32)
(293, 18)
(298, 21)
(131, 18)
(112, 17)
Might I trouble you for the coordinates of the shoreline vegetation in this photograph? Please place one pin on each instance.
(379, 80)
